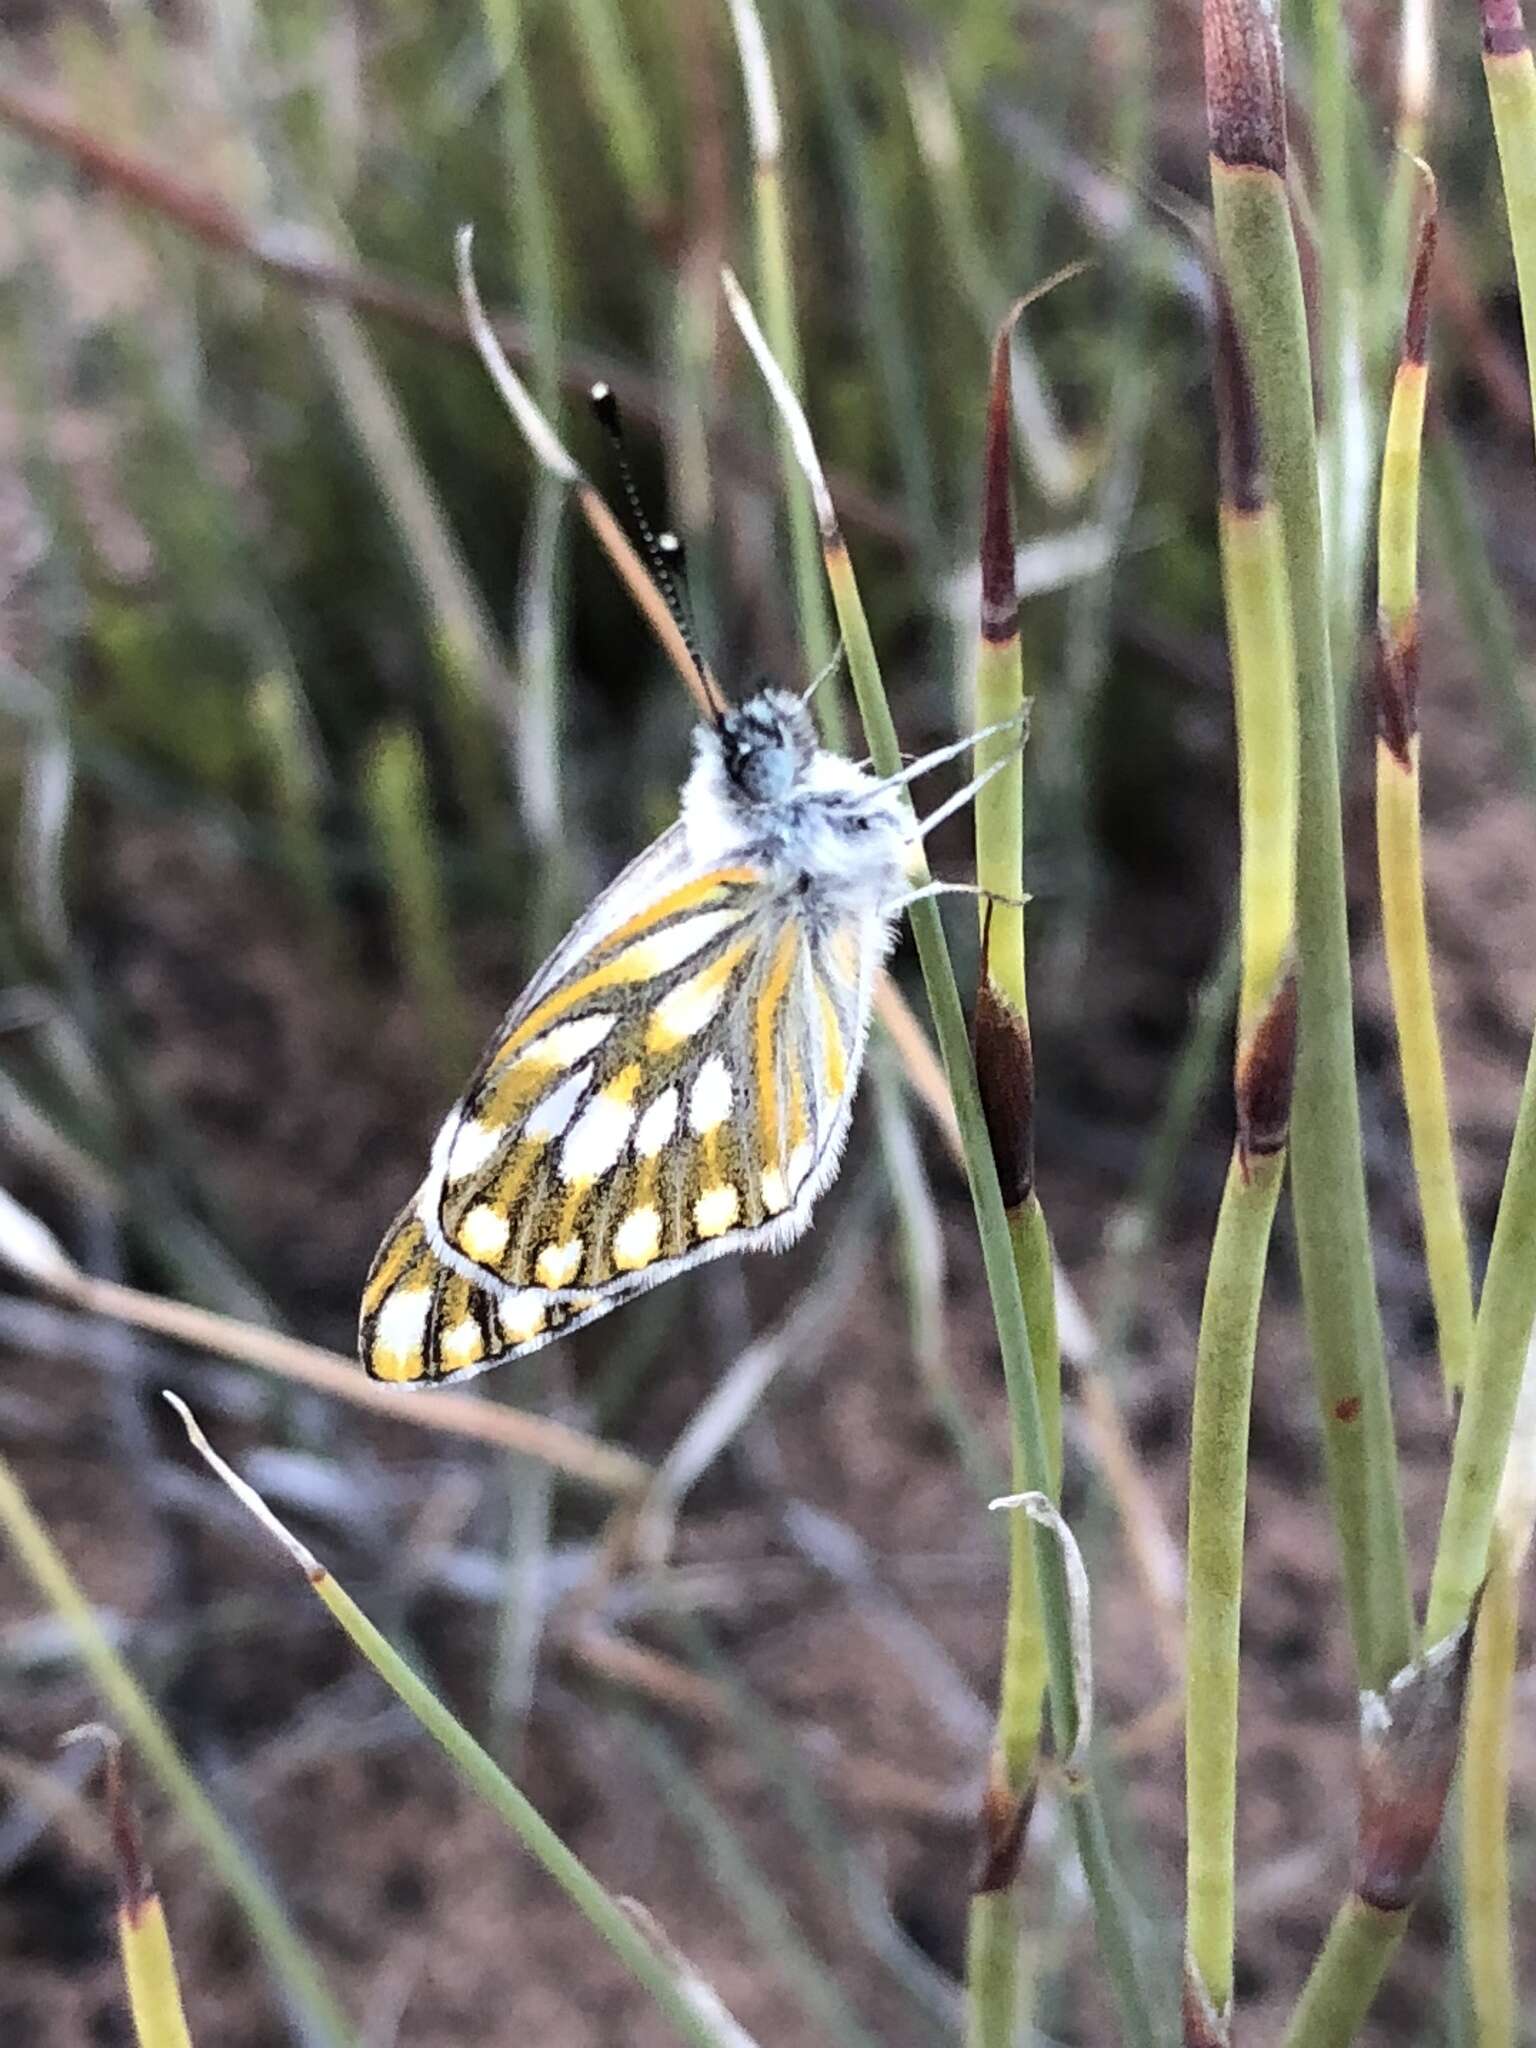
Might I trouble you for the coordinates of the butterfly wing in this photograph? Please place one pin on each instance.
(674, 1084)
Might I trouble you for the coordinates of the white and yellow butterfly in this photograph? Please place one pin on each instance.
(676, 1081)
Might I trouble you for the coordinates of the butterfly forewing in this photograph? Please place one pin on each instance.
(674, 1089)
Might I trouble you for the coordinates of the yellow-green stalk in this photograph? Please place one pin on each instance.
(143, 1939)
(625, 120)
(292, 757)
(1257, 244)
(1264, 690)
(1006, 1082)
(462, 635)
(483, 1774)
(1030, 1441)
(1485, 1893)
(400, 816)
(1507, 1306)
(1487, 1925)
(1510, 75)
(1399, 852)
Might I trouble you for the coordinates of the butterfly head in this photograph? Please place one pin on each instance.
(823, 827)
(766, 747)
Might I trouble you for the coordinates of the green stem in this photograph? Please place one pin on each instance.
(1031, 1448)
(490, 1783)
(775, 283)
(1511, 81)
(1505, 1316)
(1346, 1976)
(1486, 1919)
(1218, 1492)
(1333, 1232)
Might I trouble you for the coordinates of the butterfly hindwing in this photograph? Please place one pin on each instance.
(423, 1320)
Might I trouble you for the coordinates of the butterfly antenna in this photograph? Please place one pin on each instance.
(664, 551)
(828, 668)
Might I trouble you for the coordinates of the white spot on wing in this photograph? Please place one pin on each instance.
(596, 1139)
(463, 1344)
(667, 949)
(716, 1210)
(522, 1315)
(567, 1043)
(473, 1144)
(550, 1117)
(559, 1263)
(402, 1321)
(657, 1124)
(709, 1100)
(483, 1234)
(637, 1239)
(686, 1010)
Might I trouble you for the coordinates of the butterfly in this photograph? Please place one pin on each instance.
(676, 1081)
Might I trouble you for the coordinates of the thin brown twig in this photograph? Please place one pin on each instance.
(601, 1465)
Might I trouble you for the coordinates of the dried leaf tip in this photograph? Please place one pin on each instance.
(245, 1493)
(1416, 322)
(1409, 1737)
(135, 1885)
(1237, 418)
(1244, 86)
(1503, 29)
(999, 588)
(1266, 1062)
(1004, 1824)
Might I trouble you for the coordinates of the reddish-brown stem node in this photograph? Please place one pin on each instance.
(1396, 678)
(1004, 1824)
(1347, 1410)
(1239, 453)
(1503, 29)
(1266, 1062)
(1244, 85)
(1005, 1076)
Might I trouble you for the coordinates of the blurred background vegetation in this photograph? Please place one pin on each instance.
(319, 714)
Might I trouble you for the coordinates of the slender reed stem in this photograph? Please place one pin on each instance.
(1506, 1314)
(480, 1770)
(1264, 689)
(1399, 851)
(776, 287)
(1486, 1899)
(1006, 1082)
(1361, 1942)
(1507, 1308)
(1263, 275)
